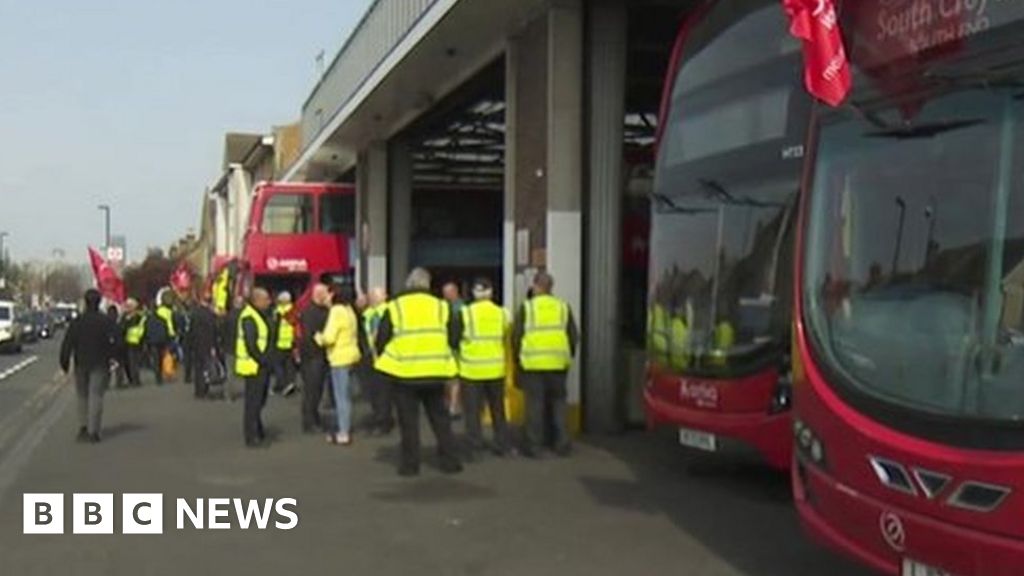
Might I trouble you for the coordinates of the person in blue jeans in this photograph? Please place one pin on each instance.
(340, 339)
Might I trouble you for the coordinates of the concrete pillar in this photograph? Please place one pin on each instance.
(526, 151)
(400, 174)
(508, 266)
(606, 67)
(220, 224)
(372, 186)
(565, 162)
(239, 203)
(362, 225)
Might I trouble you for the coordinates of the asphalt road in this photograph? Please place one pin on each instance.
(26, 387)
(633, 504)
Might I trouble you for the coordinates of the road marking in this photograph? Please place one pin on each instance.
(18, 367)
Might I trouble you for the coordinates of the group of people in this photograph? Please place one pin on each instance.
(413, 350)
(114, 346)
(183, 330)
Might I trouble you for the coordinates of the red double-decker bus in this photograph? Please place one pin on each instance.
(730, 155)
(299, 234)
(909, 348)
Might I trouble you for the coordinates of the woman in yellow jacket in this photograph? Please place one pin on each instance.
(340, 338)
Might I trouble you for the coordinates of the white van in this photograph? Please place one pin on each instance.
(10, 330)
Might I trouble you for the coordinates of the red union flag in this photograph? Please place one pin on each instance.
(826, 69)
(107, 281)
(181, 278)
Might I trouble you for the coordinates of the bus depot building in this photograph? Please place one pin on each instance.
(496, 138)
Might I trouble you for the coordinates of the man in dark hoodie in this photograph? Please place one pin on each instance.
(92, 341)
(203, 341)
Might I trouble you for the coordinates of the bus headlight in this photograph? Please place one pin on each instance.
(782, 396)
(809, 446)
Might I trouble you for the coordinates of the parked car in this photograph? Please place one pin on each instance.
(45, 324)
(10, 329)
(29, 332)
(64, 313)
(36, 325)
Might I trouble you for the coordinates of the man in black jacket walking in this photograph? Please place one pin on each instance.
(203, 344)
(92, 341)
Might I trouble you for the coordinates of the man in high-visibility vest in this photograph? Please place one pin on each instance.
(133, 323)
(160, 334)
(222, 291)
(483, 332)
(284, 343)
(165, 312)
(544, 341)
(658, 333)
(382, 419)
(414, 344)
(252, 363)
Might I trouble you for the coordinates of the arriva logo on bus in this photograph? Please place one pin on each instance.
(144, 514)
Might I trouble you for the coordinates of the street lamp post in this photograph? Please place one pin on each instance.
(3, 253)
(105, 208)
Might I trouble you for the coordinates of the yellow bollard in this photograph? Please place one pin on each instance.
(515, 403)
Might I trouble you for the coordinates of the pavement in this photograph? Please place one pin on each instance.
(630, 504)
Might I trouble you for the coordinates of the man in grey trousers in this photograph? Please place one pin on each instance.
(92, 342)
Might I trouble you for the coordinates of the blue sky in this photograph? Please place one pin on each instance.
(126, 102)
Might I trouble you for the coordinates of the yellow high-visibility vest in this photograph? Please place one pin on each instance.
(725, 339)
(136, 330)
(482, 349)
(658, 333)
(418, 348)
(371, 321)
(246, 365)
(285, 330)
(221, 291)
(167, 315)
(545, 346)
(679, 344)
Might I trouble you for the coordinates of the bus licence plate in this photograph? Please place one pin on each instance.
(915, 568)
(697, 439)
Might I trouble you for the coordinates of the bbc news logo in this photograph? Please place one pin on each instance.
(144, 514)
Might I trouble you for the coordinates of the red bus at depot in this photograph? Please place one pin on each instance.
(298, 234)
(909, 344)
(727, 178)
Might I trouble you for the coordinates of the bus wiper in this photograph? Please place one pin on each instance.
(669, 205)
(869, 116)
(922, 131)
(714, 190)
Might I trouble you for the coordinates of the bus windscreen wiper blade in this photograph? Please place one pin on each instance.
(669, 205)
(924, 130)
(714, 190)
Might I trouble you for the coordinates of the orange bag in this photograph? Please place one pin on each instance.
(168, 366)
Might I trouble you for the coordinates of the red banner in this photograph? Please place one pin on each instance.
(108, 282)
(826, 68)
(181, 278)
